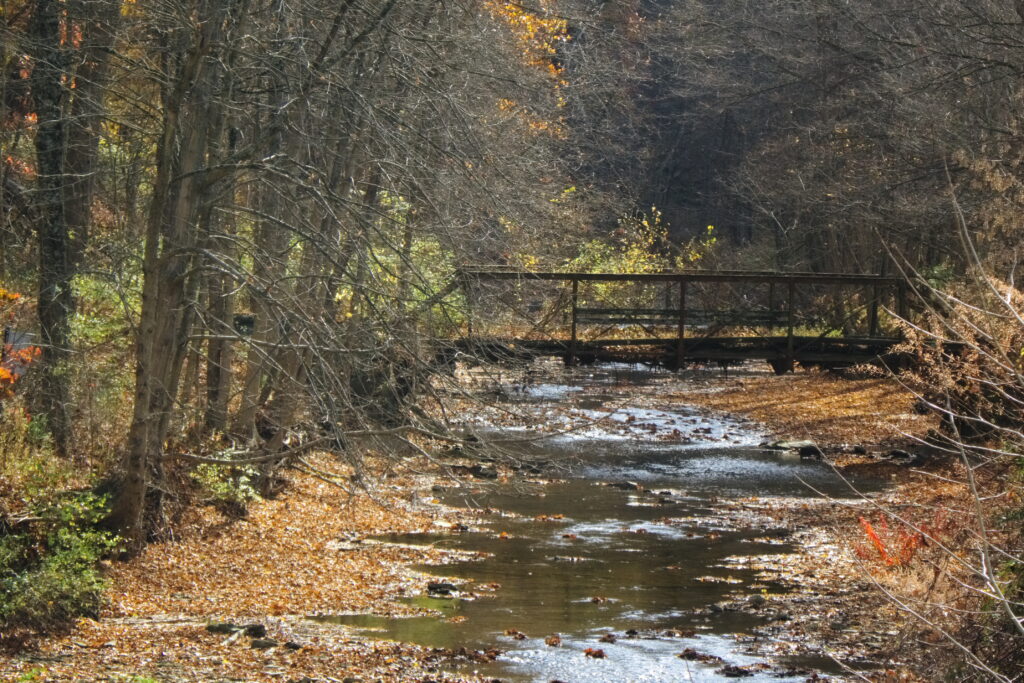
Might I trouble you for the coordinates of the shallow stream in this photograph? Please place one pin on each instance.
(631, 551)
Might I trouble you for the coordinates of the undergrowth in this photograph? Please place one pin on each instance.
(48, 573)
(50, 542)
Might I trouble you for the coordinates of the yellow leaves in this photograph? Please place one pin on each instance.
(564, 195)
(538, 34)
(530, 121)
(129, 8)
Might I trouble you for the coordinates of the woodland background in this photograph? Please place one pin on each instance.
(229, 225)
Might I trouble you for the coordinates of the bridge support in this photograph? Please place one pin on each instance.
(681, 342)
(570, 360)
(790, 356)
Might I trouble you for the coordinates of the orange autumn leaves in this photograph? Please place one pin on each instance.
(13, 361)
(538, 32)
(539, 35)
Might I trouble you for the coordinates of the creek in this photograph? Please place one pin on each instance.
(648, 529)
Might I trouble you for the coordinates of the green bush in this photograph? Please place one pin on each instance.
(49, 574)
(230, 487)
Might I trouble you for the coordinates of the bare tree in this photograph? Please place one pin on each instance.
(321, 170)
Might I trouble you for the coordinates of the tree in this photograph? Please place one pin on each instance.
(321, 160)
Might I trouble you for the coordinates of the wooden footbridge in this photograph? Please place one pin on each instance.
(679, 318)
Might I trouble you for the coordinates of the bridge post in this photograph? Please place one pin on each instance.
(681, 344)
(571, 359)
(873, 313)
(789, 324)
(467, 293)
(901, 300)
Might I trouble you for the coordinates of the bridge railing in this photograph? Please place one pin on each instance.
(686, 306)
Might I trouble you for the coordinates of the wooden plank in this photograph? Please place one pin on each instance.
(691, 276)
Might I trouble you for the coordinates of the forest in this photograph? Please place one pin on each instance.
(232, 231)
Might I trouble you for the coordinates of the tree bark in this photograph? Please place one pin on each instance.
(56, 304)
(170, 251)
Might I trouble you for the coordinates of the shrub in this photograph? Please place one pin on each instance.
(970, 370)
(229, 487)
(49, 573)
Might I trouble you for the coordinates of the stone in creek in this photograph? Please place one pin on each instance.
(255, 630)
(732, 671)
(226, 627)
(680, 633)
(790, 445)
(691, 655)
(263, 643)
(478, 471)
(811, 452)
(441, 588)
(626, 485)
(900, 457)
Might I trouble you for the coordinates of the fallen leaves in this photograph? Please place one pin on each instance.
(211, 605)
(821, 407)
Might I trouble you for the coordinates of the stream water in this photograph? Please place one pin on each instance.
(630, 551)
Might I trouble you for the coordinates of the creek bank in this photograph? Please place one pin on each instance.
(305, 552)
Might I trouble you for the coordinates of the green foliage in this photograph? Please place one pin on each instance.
(27, 462)
(104, 308)
(406, 265)
(102, 372)
(230, 487)
(49, 574)
(939, 276)
(640, 244)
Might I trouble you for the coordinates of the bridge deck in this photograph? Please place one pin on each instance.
(827, 351)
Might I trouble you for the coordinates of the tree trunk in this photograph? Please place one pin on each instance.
(67, 143)
(170, 250)
(56, 304)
